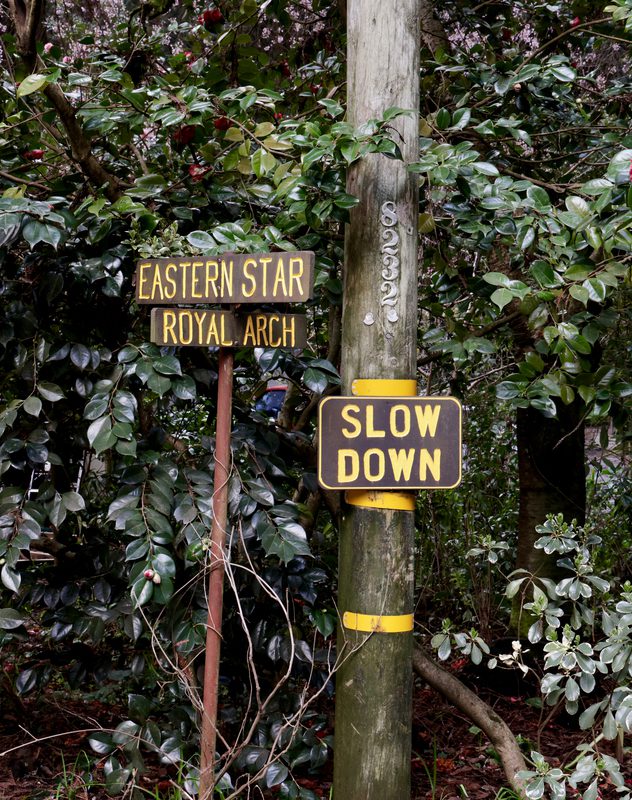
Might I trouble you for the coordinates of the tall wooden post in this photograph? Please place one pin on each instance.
(374, 683)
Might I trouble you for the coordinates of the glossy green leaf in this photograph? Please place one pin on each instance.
(10, 619)
(485, 168)
(73, 501)
(50, 391)
(80, 356)
(564, 73)
(502, 297)
(32, 83)
(443, 118)
(315, 380)
(35, 232)
(33, 406)
(202, 241)
(276, 773)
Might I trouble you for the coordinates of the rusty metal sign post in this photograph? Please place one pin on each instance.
(208, 736)
(262, 278)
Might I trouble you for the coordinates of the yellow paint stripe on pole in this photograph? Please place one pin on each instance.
(378, 387)
(378, 623)
(396, 501)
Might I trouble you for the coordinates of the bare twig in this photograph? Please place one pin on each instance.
(23, 181)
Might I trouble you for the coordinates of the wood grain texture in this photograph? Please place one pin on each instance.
(374, 683)
(383, 71)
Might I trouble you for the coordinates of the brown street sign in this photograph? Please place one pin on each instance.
(231, 278)
(208, 328)
(389, 443)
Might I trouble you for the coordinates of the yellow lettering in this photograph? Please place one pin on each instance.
(186, 279)
(226, 342)
(212, 272)
(212, 337)
(289, 330)
(427, 419)
(156, 286)
(185, 331)
(248, 263)
(350, 459)
(262, 337)
(371, 431)
(249, 332)
(264, 284)
(379, 474)
(170, 280)
(402, 429)
(272, 319)
(168, 326)
(227, 279)
(401, 463)
(346, 415)
(280, 279)
(197, 282)
(427, 463)
(296, 273)
(142, 280)
(199, 316)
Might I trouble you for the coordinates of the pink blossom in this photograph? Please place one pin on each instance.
(48, 47)
(67, 59)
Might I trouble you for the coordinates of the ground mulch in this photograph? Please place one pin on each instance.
(43, 747)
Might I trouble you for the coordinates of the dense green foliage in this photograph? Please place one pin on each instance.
(153, 130)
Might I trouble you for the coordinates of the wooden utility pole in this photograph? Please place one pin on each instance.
(374, 683)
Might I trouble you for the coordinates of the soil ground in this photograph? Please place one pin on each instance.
(452, 760)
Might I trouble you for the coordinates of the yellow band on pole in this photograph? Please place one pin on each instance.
(396, 501)
(378, 623)
(378, 387)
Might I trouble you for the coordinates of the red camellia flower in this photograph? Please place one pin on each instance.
(210, 18)
(33, 155)
(197, 172)
(221, 123)
(630, 172)
(184, 135)
(575, 22)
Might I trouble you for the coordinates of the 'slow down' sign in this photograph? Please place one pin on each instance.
(389, 443)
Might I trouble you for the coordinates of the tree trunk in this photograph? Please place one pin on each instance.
(379, 333)
(552, 481)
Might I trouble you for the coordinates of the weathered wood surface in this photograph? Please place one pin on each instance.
(374, 684)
